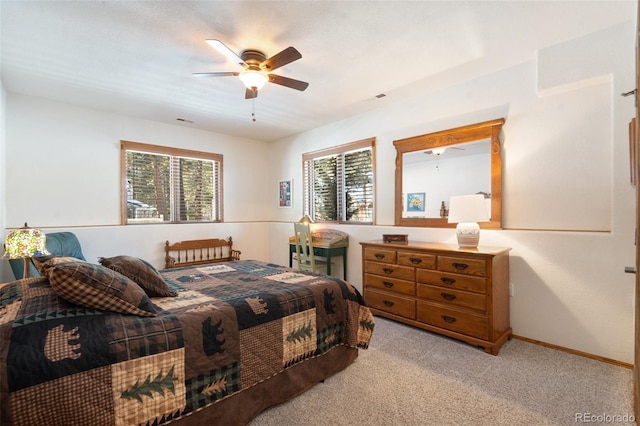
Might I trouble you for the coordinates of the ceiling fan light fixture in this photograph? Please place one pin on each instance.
(439, 151)
(254, 80)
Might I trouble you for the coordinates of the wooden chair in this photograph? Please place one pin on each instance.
(199, 252)
(304, 249)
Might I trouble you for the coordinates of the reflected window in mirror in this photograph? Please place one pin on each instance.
(432, 168)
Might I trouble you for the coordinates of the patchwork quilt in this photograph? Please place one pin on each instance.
(231, 326)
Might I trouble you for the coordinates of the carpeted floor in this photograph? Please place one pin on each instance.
(412, 377)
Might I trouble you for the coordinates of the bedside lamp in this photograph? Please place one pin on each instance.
(24, 243)
(467, 211)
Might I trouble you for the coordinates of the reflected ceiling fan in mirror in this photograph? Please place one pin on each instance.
(440, 150)
(257, 68)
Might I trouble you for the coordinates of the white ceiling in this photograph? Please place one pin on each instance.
(137, 57)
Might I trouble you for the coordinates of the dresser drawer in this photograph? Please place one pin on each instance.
(390, 284)
(463, 299)
(462, 265)
(394, 304)
(380, 255)
(419, 260)
(452, 281)
(454, 320)
(390, 271)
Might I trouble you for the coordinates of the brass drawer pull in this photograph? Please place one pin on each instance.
(379, 256)
(447, 280)
(388, 303)
(448, 296)
(448, 319)
(460, 266)
(387, 270)
(387, 284)
(415, 260)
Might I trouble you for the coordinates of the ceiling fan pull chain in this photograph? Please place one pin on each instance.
(253, 113)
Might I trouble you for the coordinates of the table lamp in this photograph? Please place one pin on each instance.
(24, 243)
(305, 219)
(467, 211)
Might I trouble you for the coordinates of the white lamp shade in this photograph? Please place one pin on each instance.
(468, 208)
(253, 79)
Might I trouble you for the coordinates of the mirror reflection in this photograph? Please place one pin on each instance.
(432, 168)
(431, 177)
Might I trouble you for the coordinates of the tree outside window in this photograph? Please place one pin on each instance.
(168, 185)
(339, 183)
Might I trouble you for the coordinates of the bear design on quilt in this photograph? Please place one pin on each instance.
(58, 346)
(210, 333)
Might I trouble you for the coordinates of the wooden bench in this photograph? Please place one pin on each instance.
(199, 252)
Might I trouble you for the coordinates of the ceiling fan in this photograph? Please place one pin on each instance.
(257, 68)
(440, 150)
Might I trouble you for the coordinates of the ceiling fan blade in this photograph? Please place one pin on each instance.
(288, 55)
(230, 54)
(215, 74)
(250, 93)
(288, 82)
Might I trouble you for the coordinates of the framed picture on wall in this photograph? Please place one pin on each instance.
(415, 202)
(284, 193)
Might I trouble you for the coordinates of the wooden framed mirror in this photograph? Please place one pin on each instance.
(433, 167)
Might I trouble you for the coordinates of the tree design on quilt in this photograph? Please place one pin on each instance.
(146, 388)
(210, 333)
(329, 305)
(217, 386)
(301, 333)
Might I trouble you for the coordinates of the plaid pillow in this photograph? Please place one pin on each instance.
(52, 259)
(97, 287)
(141, 272)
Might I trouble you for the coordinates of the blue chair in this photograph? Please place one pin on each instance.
(59, 244)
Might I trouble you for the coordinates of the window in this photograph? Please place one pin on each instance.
(169, 185)
(339, 183)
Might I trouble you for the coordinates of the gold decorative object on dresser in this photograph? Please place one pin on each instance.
(461, 293)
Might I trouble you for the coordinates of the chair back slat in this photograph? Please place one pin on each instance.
(304, 249)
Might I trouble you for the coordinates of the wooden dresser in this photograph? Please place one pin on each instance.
(457, 292)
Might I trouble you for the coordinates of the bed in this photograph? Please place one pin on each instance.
(207, 344)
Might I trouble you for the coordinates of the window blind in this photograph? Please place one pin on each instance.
(339, 183)
(170, 185)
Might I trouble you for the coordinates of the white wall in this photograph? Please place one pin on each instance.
(568, 207)
(440, 178)
(63, 172)
(3, 177)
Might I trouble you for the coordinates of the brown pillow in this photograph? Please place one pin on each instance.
(141, 272)
(97, 287)
(41, 261)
